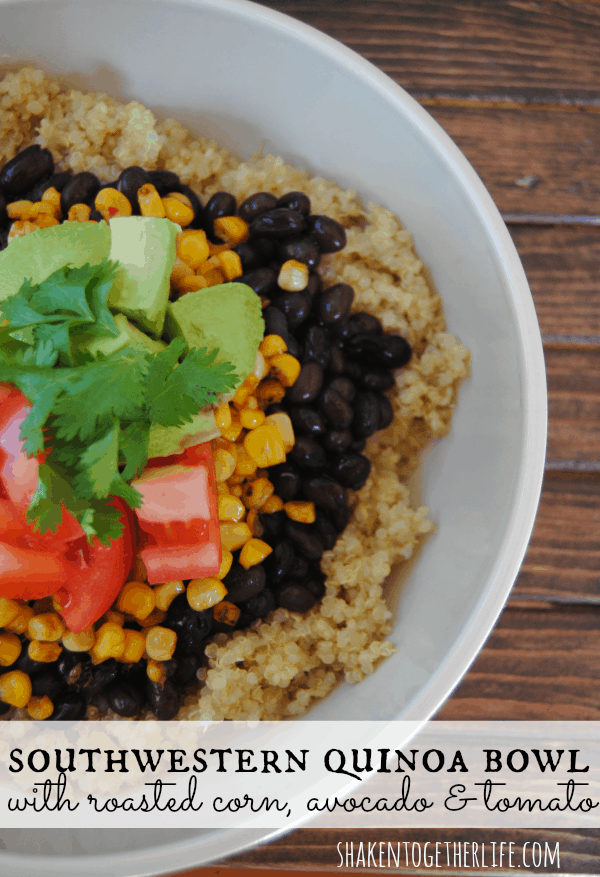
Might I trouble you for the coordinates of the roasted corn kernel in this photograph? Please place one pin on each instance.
(136, 598)
(227, 613)
(114, 617)
(165, 594)
(52, 196)
(15, 688)
(192, 247)
(285, 368)
(160, 643)
(110, 643)
(45, 652)
(110, 203)
(265, 445)
(19, 228)
(230, 508)
(231, 264)
(231, 229)
(272, 504)
(233, 535)
(155, 617)
(225, 464)
(204, 593)
(300, 511)
(177, 211)
(79, 642)
(293, 276)
(18, 209)
(9, 610)
(283, 423)
(245, 465)
(270, 392)
(156, 671)
(192, 283)
(253, 552)
(226, 563)
(255, 493)
(21, 620)
(135, 646)
(272, 345)
(250, 418)
(150, 201)
(47, 627)
(223, 416)
(40, 708)
(234, 429)
(79, 213)
(10, 648)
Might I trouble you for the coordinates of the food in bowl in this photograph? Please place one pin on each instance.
(318, 507)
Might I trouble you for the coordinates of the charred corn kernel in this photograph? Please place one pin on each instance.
(165, 594)
(177, 211)
(252, 402)
(204, 593)
(283, 423)
(79, 642)
(236, 490)
(233, 431)
(52, 196)
(243, 392)
(79, 213)
(224, 464)
(179, 196)
(41, 208)
(272, 504)
(272, 345)
(254, 523)
(20, 622)
(192, 283)
(233, 535)
(252, 381)
(226, 562)
(160, 643)
(227, 613)
(192, 247)
(245, 465)
(114, 617)
(20, 228)
(47, 628)
(40, 708)
(270, 392)
(156, 671)
(179, 271)
(300, 511)
(45, 652)
(231, 264)
(231, 229)
(10, 649)
(136, 599)
(19, 209)
(135, 646)
(15, 688)
(251, 418)
(211, 264)
(155, 617)
(265, 445)
(110, 643)
(139, 570)
(293, 276)
(45, 220)
(110, 203)
(254, 552)
(286, 368)
(223, 416)
(150, 201)
(9, 609)
(230, 508)
(215, 249)
(255, 493)
(214, 278)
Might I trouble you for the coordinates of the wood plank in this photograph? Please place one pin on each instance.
(563, 268)
(573, 404)
(526, 51)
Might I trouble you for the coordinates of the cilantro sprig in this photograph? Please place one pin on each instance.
(91, 417)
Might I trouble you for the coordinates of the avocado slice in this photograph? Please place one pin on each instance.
(145, 248)
(167, 440)
(38, 254)
(128, 334)
(227, 317)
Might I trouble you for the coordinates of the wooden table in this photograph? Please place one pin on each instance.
(516, 84)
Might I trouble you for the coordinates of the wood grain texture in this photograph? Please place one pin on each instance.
(573, 404)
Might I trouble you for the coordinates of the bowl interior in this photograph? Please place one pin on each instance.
(251, 78)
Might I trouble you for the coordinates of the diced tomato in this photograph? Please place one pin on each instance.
(28, 575)
(179, 515)
(97, 575)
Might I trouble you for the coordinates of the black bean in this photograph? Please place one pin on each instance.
(336, 410)
(164, 181)
(299, 569)
(314, 287)
(164, 700)
(326, 531)
(337, 363)
(295, 598)
(337, 440)
(295, 306)
(304, 540)
(104, 674)
(367, 413)
(28, 665)
(387, 412)
(124, 700)
(377, 379)
(343, 331)
(256, 204)
(130, 180)
(353, 369)
(185, 669)
(333, 305)
(294, 348)
(194, 201)
(4, 708)
(344, 386)
(95, 216)
(204, 622)
(358, 446)
(69, 706)
(315, 586)
(275, 322)
(286, 480)
(26, 169)
(308, 453)
(272, 525)
(329, 234)
(56, 181)
(277, 223)
(365, 323)
(180, 615)
(262, 280)
(307, 421)
(189, 642)
(278, 564)
(308, 384)
(100, 702)
(260, 605)
(221, 204)
(317, 346)
(243, 583)
(325, 492)
(383, 351)
(3, 215)
(71, 667)
(256, 253)
(46, 683)
(352, 470)
(81, 189)
(302, 249)
(295, 201)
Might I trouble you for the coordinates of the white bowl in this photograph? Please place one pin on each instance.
(248, 76)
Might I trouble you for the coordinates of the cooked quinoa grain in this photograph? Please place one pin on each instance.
(279, 667)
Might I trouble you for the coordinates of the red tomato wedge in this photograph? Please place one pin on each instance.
(97, 574)
(28, 575)
(179, 516)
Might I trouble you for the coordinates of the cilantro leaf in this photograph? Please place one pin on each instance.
(133, 445)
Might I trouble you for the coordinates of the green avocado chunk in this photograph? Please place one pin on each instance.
(128, 334)
(167, 440)
(227, 317)
(145, 248)
(38, 254)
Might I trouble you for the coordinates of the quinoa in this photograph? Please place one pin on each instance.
(280, 666)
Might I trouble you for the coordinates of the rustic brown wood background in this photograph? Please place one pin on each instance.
(516, 83)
